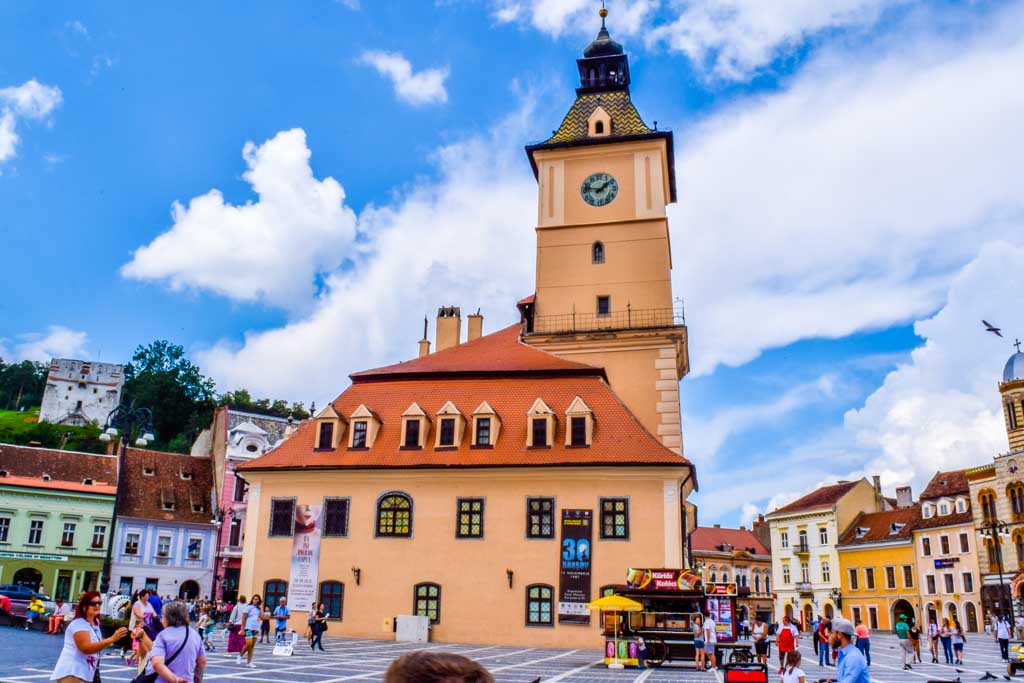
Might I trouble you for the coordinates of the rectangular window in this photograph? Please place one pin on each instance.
(854, 583)
(968, 582)
(5, 529)
(235, 533)
(869, 578)
(965, 544)
(890, 577)
(446, 436)
(786, 576)
(35, 532)
(947, 579)
(826, 574)
(99, 536)
(336, 516)
(195, 548)
(540, 431)
(784, 539)
(163, 546)
(67, 537)
(805, 572)
(929, 582)
(412, 433)
(615, 518)
(240, 489)
(153, 584)
(540, 517)
(326, 439)
(926, 546)
(359, 434)
(540, 605)
(873, 617)
(282, 516)
(427, 599)
(823, 536)
(856, 614)
(944, 545)
(470, 518)
(131, 544)
(126, 585)
(908, 576)
(578, 432)
(1011, 414)
(483, 431)
(604, 305)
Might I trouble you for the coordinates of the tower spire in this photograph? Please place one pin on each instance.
(603, 12)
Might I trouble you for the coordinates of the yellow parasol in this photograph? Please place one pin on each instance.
(616, 603)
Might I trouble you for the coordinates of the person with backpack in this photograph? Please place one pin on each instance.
(786, 640)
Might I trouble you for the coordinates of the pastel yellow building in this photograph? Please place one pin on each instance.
(878, 567)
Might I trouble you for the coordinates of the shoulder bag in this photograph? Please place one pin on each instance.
(152, 678)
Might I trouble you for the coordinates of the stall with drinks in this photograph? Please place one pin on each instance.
(671, 599)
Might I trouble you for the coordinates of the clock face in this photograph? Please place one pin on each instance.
(599, 189)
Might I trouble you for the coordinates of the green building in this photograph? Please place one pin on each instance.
(55, 511)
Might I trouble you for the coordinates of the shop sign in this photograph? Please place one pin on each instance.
(575, 567)
(720, 609)
(663, 579)
(34, 556)
(305, 557)
(946, 562)
(719, 589)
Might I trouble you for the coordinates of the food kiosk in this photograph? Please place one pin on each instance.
(671, 598)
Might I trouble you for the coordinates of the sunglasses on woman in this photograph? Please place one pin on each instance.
(95, 603)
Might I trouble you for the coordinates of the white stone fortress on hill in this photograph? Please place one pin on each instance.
(79, 392)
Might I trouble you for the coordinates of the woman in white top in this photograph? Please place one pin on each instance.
(792, 673)
(83, 645)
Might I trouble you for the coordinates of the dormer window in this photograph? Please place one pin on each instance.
(329, 427)
(414, 427)
(581, 424)
(483, 432)
(446, 432)
(542, 425)
(46, 477)
(599, 123)
(450, 426)
(148, 471)
(943, 508)
(486, 426)
(186, 475)
(862, 531)
(87, 482)
(324, 439)
(364, 428)
(412, 433)
(539, 429)
(927, 511)
(961, 505)
(895, 528)
(359, 434)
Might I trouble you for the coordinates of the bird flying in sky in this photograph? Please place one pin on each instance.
(991, 328)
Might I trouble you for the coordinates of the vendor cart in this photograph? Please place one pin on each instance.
(671, 599)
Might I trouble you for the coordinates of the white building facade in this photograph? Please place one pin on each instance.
(80, 392)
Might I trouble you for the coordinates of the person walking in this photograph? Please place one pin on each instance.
(177, 654)
(821, 637)
(933, 640)
(786, 640)
(814, 641)
(281, 614)
(710, 640)
(863, 640)
(915, 641)
(792, 673)
(946, 638)
(759, 631)
(57, 618)
(79, 660)
(699, 661)
(956, 636)
(851, 667)
(250, 622)
(264, 619)
(1003, 636)
(903, 636)
(319, 626)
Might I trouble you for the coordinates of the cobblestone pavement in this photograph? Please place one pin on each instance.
(29, 658)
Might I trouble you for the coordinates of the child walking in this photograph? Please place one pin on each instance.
(791, 672)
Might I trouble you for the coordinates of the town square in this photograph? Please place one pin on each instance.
(546, 340)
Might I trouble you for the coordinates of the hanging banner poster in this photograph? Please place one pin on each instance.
(305, 557)
(575, 566)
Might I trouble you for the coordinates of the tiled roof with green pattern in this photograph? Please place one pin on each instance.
(625, 118)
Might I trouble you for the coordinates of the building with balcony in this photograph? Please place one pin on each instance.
(736, 555)
(55, 510)
(804, 535)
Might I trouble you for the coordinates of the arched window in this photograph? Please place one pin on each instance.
(332, 594)
(273, 591)
(1015, 492)
(597, 251)
(427, 601)
(1018, 544)
(767, 584)
(725, 576)
(712, 579)
(599, 127)
(540, 605)
(987, 499)
(757, 582)
(394, 515)
(802, 540)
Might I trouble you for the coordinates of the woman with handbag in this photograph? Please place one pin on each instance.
(319, 626)
(79, 661)
(187, 659)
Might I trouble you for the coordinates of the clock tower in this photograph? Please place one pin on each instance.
(603, 291)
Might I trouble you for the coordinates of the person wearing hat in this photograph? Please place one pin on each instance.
(906, 647)
(851, 667)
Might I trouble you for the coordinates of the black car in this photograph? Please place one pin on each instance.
(20, 597)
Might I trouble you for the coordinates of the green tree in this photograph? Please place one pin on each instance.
(22, 384)
(163, 379)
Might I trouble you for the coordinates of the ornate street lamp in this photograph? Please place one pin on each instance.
(837, 598)
(123, 421)
(995, 529)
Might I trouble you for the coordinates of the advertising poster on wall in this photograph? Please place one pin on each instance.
(575, 567)
(720, 609)
(305, 557)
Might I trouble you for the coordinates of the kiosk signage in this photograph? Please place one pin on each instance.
(305, 557)
(669, 580)
(575, 567)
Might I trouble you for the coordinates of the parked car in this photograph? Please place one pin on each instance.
(20, 596)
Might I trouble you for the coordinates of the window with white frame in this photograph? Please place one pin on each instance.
(163, 546)
(786, 578)
(823, 536)
(5, 529)
(131, 544)
(784, 539)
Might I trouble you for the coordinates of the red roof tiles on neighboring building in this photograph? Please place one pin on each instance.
(826, 496)
(67, 486)
(145, 495)
(889, 525)
(945, 484)
(59, 466)
(712, 539)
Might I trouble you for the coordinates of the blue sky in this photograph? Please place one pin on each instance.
(286, 189)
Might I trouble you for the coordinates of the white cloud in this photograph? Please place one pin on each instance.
(29, 101)
(416, 88)
(268, 250)
(77, 27)
(57, 342)
(559, 17)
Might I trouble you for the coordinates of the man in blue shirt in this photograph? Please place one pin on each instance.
(281, 612)
(851, 666)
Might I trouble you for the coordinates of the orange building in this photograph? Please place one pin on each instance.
(497, 485)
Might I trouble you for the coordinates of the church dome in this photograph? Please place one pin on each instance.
(1014, 369)
(602, 46)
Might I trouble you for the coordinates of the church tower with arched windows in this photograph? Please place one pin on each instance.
(603, 274)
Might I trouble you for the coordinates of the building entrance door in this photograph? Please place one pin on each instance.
(63, 588)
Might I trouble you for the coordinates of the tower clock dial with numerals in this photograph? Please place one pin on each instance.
(599, 189)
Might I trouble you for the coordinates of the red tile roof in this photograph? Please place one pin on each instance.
(711, 539)
(618, 437)
(61, 466)
(143, 495)
(955, 518)
(826, 496)
(946, 484)
(73, 486)
(500, 352)
(875, 527)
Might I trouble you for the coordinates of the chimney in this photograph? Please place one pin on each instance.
(879, 499)
(475, 326)
(718, 526)
(449, 327)
(743, 527)
(903, 497)
(424, 343)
